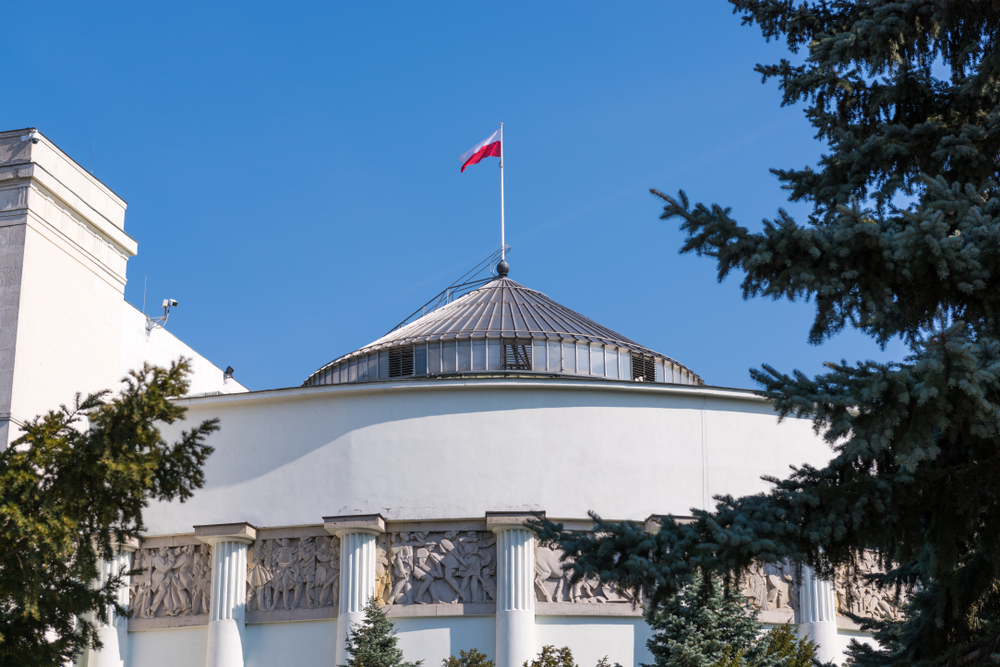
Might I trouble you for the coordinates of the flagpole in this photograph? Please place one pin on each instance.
(503, 244)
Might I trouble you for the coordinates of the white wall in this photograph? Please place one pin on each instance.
(160, 347)
(304, 643)
(456, 449)
(177, 647)
(622, 640)
(63, 276)
(434, 638)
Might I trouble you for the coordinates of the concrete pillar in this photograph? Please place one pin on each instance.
(357, 571)
(228, 599)
(515, 615)
(114, 633)
(818, 616)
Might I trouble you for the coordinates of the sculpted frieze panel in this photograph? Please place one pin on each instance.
(553, 585)
(772, 588)
(858, 596)
(441, 567)
(175, 581)
(293, 573)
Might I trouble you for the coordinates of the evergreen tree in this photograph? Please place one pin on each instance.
(372, 643)
(471, 658)
(903, 243)
(553, 657)
(709, 624)
(705, 624)
(74, 484)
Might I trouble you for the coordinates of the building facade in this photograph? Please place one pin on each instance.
(403, 471)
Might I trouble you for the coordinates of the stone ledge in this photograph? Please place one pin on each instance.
(354, 523)
(593, 609)
(776, 617)
(292, 532)
(457, 609)
(291, 615)
(163, 622)
(226, 532)
(510, 520)
(169, 541)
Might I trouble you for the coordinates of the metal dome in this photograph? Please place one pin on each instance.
(506, 327)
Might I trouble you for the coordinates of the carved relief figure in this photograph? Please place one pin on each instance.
(293, 573)
(175, 582)
(442, 567)
(327, 572)
(383, 569)
(771, 587)
(553, 585)
(862, 598)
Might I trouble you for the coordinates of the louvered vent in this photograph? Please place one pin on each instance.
(400, 361)
(643, 369)
(515, 355)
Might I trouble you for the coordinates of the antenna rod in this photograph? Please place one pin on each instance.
(503, 244)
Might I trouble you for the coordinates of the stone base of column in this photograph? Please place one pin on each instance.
(345, 621)
(824, 633)
(515, 638)
(225, 643)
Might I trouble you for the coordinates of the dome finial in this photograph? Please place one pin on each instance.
(503, 268)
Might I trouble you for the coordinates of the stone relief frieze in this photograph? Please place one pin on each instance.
(175, 581)
(772, 587)
(857, 596)
(552, 584)
(293, 573)
(441, 567)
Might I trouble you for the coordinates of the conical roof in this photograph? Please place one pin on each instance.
(506, 311)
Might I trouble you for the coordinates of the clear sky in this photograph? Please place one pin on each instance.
(292, 170)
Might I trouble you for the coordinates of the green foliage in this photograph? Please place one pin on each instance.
(472, 658)
(787, 650)
(903, 243)
(709, 624)
(561, 657)
(706, 624)
(372, 643)
(73, 485)
(553, 657)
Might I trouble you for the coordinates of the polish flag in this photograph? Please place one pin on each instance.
(489, 147)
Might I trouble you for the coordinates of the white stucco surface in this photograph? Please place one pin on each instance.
(622, 640)
(308, 643)
(175, 647)
(160, 347)
(434, 639)
(457, 449)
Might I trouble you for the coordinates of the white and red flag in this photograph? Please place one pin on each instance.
(492, 146)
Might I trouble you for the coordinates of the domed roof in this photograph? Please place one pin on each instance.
(506, 311)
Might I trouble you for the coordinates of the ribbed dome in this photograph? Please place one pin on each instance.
(505, 312)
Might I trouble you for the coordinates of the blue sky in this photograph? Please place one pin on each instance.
(293, 180)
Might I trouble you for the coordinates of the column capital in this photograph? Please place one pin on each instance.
(226, 532)
(373, 524)
(497, 521)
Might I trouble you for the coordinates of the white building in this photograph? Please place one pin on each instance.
(403, 470)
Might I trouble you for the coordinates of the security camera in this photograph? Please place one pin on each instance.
(33, 136)
(169, 303)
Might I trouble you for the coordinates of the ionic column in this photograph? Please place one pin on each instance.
(515, 615)
(228, 598)
(114, 633)
(357, 570)
(818, 616)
